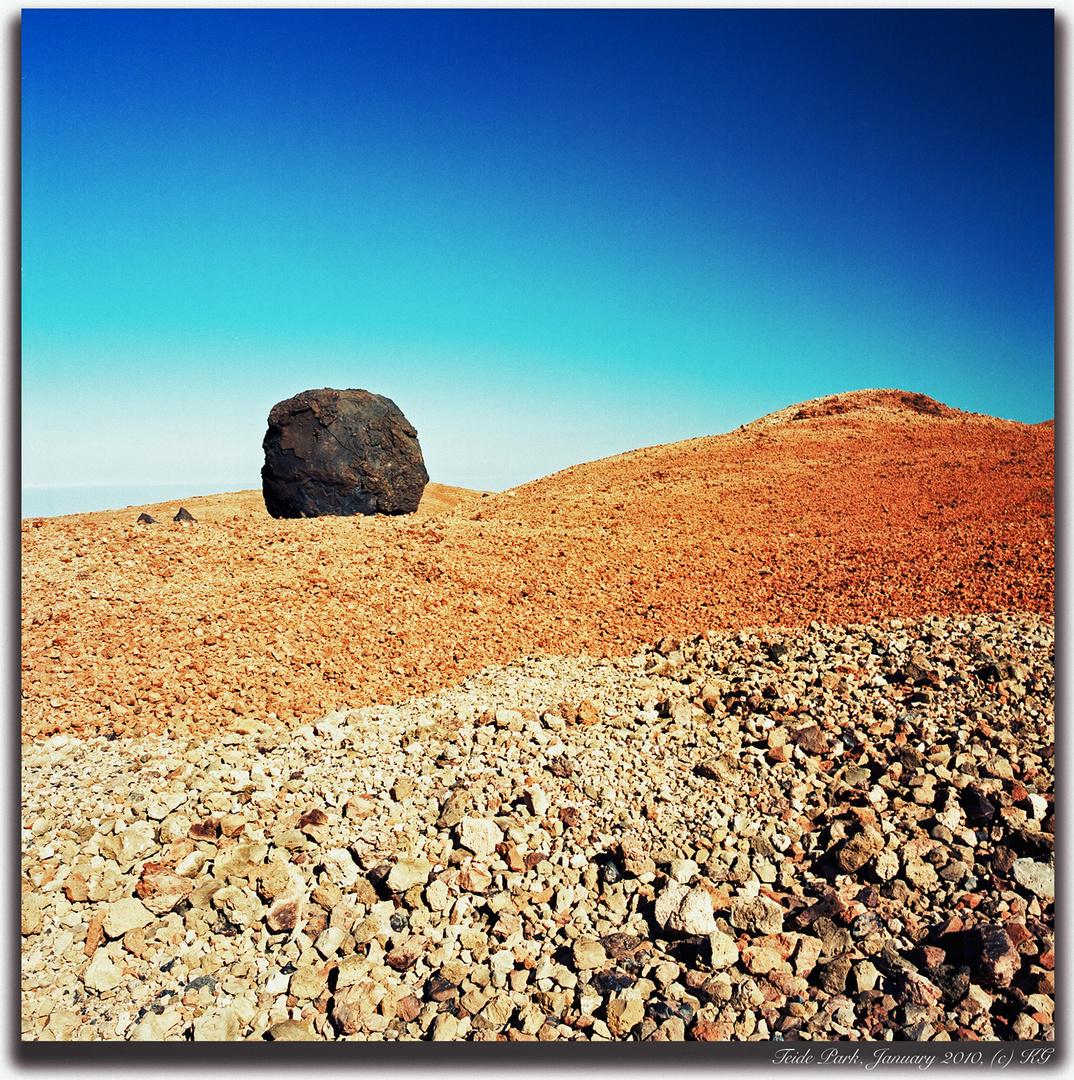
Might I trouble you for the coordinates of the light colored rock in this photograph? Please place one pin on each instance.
(134, 842)
(124, 915)
(158, 1028)
(291, 1031)
(217, 1025)
(683, 870)
(669, 901)
(161, 890)
(475, 880)
(695, 914)
(588, 954)
(437, 895)
(34, 906)
(308, 982)
(341, 866)
(445, 1028)
(623, 1014)
(62, 1025)
(408, 872)
(191, 864)
(351, 970)
(531, 1018)
(161, 804)
(723, 951)
(757, 915)
(1038, 878)
(537, 801)
(241, 906)
(866, 975)
(239, 859)
(498, 1012)
(329, 941)
(886, 865)
(101, 973)
(479, 835)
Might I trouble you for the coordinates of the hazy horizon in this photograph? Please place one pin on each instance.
(549, 236)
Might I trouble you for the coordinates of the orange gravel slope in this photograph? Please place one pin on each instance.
(859, 506)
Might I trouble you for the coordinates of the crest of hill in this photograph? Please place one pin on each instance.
(877, 403)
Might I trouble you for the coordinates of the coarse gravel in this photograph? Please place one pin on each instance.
(837, 831)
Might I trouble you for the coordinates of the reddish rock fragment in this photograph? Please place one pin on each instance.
(915, 989)
(76, 888)
(284, 914)
(94, 933)
(408, 1008)
(811, 739)
(712, 1031)
(160, 888)
(828, 905)
(204, 830)
(405, 955)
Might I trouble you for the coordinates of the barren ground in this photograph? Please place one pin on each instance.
(853, 508)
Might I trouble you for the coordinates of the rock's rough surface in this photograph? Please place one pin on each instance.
(340, 452)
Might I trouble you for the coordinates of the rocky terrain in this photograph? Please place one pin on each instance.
(743, 738)
(873, 508)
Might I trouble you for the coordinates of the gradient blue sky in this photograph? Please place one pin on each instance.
(548, 236)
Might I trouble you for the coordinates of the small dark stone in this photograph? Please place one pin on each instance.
(313, 817)
(910, 757)
(992, 955)
(379, 873)
(890, 962)
(611, 982)
(866, 923)
(146, 519)
(204, 830)
(610, 872)
(440, 989)
(855, 775)
(811, 739)
(225, 926)
(184, 515)
(659, 1010)
(952, 982)
(915, 673)
(686, 1011)
(621, 946)
(979, 810)
(833, 976)
(398, 921)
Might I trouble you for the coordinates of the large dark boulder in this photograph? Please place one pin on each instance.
(340, 452)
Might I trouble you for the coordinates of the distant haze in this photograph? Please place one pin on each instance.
(548, 236)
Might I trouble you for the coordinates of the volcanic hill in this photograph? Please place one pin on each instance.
(854, 507)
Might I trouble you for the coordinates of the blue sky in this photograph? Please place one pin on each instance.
(548, 236)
